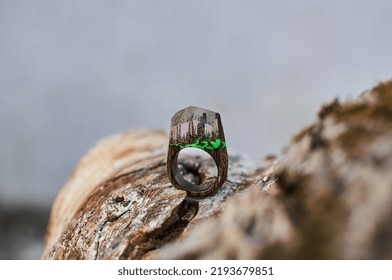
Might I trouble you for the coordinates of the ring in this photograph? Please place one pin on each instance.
(194, 127)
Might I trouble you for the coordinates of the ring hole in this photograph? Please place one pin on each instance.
(197, 167)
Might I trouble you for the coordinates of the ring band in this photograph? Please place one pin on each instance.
(194, 127)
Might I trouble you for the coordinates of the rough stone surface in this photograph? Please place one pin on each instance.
(328, 196)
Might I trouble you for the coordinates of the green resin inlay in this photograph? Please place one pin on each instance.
(203, 145)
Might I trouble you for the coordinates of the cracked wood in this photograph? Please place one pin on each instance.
(328, 196)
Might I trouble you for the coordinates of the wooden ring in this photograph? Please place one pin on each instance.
(195, 127)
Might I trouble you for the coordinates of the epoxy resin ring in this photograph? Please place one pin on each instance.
(195, 127)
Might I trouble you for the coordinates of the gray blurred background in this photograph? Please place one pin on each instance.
(72, 72)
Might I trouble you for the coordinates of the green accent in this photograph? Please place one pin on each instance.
(203, 145)
(177, 145)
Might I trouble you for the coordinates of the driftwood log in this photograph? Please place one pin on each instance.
(328, 196)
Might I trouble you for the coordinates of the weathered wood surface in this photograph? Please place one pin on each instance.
(329, 195)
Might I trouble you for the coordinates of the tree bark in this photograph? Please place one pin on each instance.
(328, 196)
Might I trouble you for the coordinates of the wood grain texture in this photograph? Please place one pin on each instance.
(133, 210)
(328, 196)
